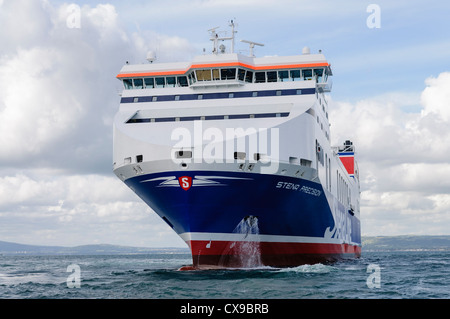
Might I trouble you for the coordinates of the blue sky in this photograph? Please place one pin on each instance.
(59, 95)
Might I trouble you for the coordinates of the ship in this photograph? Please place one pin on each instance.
(233, 152)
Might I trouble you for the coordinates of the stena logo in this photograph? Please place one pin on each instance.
(185, 182)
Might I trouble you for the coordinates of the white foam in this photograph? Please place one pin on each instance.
(315, 268)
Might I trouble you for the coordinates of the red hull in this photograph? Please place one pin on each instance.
(227, 254)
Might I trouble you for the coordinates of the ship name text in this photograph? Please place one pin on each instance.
(296, 187)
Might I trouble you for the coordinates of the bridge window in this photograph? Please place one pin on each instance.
(241, 74)
(325, 78)
(182, 81)
(170, 81)
(295, 75)
(307, 74)
(204, 75)
(260, 77)
(216, 74)
(160, 82)
(283, 76)
(191, 78)
(249, 76)
(138, 83)
(228, 74)
(128, 84)
(318, 74)
(272, 76)
(149, 83)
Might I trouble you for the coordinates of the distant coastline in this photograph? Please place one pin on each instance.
(406, 243)
(370, 243)
(9, 248)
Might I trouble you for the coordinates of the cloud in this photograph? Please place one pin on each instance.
(436, 98)
(403, 157)
(59, 91)
(52, 86)
(59, 97)
(79, 209)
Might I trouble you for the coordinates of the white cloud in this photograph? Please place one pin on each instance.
(403, 158)
(59, 95)
(436, 98)
(79, 209)
(59, 91)
(36, 108)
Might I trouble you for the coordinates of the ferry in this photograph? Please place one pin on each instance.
(233, 152)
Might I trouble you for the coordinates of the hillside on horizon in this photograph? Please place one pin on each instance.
(370, 243)
(10, 248)
(405, 242)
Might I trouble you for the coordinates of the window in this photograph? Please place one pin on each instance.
(241, 74)
(128, 84)
(191, 78)
(329, 172)
(325, 79)
(182, 81)
(228, 74)
(305, 162)
(283, 76)
(183, 154)
(239, 155)
(318, 74)
(204, 75)
(138, 83)
(160, 82)
(307, 74)
(260, 77)
(272, 76)
(249, 76)
(139, 158)
(326, 170)
(170, 81)
(216, 74)
(149, 83)
(260, 157)
(295, 75)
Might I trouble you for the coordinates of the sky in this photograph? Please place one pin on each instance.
(59, 94)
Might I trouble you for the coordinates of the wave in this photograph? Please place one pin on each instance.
(315, 268)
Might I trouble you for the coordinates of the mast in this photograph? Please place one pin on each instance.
(215, 38)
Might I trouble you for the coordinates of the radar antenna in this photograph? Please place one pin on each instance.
(252, 45)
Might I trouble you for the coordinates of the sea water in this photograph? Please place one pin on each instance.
(380, 275)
